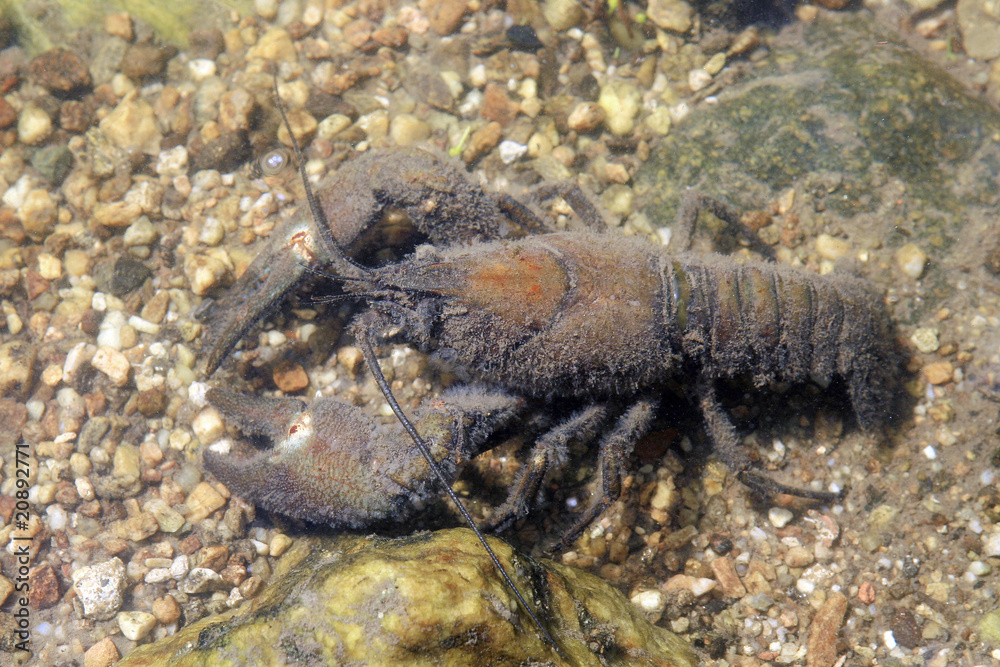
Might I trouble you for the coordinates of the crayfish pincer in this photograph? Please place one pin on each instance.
(610, 321)
(331, 463)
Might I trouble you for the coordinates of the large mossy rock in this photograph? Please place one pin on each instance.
(428, 599)
(879, 145)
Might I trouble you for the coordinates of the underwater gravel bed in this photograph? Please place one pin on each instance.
(133, 189)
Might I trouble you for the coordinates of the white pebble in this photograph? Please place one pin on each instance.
(477, 76)
(979, 568)
(99, 302)
(930, 452)
(201, 68)
(665, 234)
(109, 334)
(510, 151)
(779, 516)
(207, 425)
(890, 640)
(33, 125)
(157, 575)
(652, 602)
(173, 162)
(832, 248)
(266, 9)
(926, 340)
(179, 567)
(57, 517)
(805, 586)
(143, 326)
(698, 79)
(80, 354)
(140, 232)
(136, 624)
(112, 363)
(99, 588)
(911, 260)
(991, 545)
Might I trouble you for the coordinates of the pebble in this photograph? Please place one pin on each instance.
(204, 271)
(6, 588)
(202, 501)
(112, 363)
(482, 141)
(406, 130)
(288, 377)
(139, 233)
(832, 248)
(53, 163)
(618, 200)
(651, 602)
(510, 151)
(167, 518)
(119, 24)
(332, 125)
(659, 121)
(208, 425)
(172, 162)
(822, 642)
(586, 117)
(729, 581)
(126, 461)
(135, 625)
(166, 610)
(49, 266)
(43, 586)
(146, 60)
(99, 588)
(715, 63)
(697, 585)
(131, 126)
(303, 126)
(799, 557)
(674, 15)
(698, 79)
(563, 14)
(938, 372)
(779, 516)
(116, 214)
(8, 114)
(201, 68)
(102, 654)
(443, 16)
(33, 126)
(38, 214)
(926, 340)
(620, 101)
(991, 545)
(911, 260)
(279, 544)
(202, 580)
(266, 9)
(275, 44)
(17, 365)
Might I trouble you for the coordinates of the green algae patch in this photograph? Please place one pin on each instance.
(172, 22)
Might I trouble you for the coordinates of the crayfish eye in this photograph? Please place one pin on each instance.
(273, 162)
(302, 423)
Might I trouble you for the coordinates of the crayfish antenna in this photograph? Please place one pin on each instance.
(369, 354)
(345, 265)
